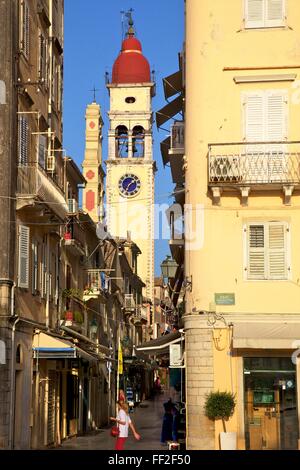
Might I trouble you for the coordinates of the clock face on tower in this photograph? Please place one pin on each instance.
(129, 185)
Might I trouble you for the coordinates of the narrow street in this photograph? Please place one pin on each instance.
(147, 419)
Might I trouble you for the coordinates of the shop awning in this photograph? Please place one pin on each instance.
(172, 84)
(50, 347)
(266, 335)
(160, 345)
(169, 111)
(47, 346)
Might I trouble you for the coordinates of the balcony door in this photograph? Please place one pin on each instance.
(265, 122)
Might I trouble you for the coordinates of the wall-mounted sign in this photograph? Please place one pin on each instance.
(225, 299)
(175, 355)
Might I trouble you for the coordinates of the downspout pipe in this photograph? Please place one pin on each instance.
(12, 382)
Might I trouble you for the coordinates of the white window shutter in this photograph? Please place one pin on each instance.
(275, 13)
(23, 278)
(256, 252)
(254, 13)
(276, 116)
(276, 130)
(277, 253)
(254, 117)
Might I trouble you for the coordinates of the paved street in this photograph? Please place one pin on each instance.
(148, 421)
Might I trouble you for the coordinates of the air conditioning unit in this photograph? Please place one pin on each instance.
(51, 163)
(72, 206)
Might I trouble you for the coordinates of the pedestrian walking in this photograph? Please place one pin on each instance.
(168, 431)
(124, 422)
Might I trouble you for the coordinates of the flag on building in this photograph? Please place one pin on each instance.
(120, 359)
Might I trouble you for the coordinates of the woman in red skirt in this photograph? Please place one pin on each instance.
(124, 422)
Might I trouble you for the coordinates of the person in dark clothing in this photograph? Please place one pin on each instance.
(169, 426)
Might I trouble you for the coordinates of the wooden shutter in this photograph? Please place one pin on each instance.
(276, 130)
(23, 140)
(274, 13)
(277, 252)
(256, 252)
(42, 150)
(25, 29)
(276, 115)
(253, 165)
(42, 57)
(34, 268)
(23, 278)
(254, 116)
(254, 14)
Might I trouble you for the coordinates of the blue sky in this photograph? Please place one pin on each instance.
(93, 36)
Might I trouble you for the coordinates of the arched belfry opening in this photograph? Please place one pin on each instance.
(121, 142)
(138, 142)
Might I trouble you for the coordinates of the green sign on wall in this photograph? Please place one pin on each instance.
(225, 299)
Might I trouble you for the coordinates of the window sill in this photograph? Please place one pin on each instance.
(263, 28)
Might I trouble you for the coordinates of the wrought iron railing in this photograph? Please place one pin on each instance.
(94, 281)
(254, 163)
(129, 302)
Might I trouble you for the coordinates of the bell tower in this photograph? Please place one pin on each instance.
(93, 193)
(130, 165)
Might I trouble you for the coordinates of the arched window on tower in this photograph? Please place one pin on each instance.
(121, 142)
(138, 142)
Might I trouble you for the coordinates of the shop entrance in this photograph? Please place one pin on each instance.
(271, 417)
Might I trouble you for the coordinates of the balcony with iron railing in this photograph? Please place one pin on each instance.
(34, 183)
(74, 238)
(137, 317)
(73, 314)
(95, 285)
(129, 303)
(265, 165)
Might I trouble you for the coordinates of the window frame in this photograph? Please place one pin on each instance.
(264, 23)
(267, 249)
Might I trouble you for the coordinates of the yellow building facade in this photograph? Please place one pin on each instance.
(242, 253)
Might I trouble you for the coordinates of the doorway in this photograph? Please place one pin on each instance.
(271, 415)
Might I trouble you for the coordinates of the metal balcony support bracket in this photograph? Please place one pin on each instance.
(245, 194)
(216, 192)
(288, 191)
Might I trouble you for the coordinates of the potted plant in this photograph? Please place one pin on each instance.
(67, 236)
(69, 315)
(78, 317)
(221, 405)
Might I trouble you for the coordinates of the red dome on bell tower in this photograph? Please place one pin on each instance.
(131, 66)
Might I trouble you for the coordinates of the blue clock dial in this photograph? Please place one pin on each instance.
(129, 185)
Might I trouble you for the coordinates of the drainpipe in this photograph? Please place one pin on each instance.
(47, 282)
(12, 389)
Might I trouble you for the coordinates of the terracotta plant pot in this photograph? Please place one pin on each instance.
(69, 316)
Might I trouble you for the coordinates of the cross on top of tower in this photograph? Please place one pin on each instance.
(94, 90)
(130, 31)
